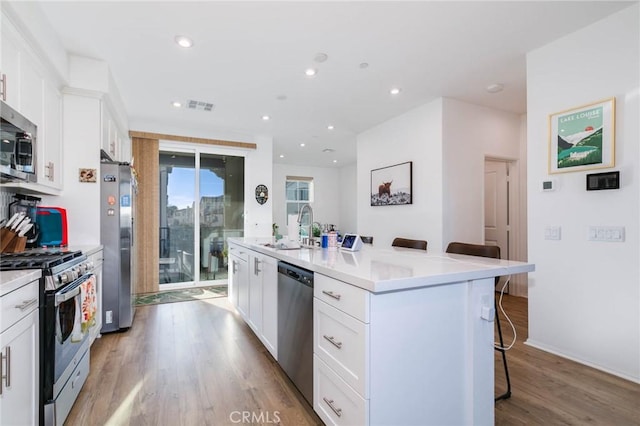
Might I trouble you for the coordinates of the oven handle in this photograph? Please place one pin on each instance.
(71, 290)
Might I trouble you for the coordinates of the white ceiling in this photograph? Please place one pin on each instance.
(247, 54)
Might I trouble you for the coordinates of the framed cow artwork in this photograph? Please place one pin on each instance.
(392, 185)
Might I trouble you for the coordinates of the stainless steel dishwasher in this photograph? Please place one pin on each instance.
(295, 326)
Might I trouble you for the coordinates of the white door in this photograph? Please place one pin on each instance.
(496, 205)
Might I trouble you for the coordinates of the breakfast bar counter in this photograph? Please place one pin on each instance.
(400, 336)
(381, 270)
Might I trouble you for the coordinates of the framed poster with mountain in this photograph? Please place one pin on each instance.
(582, 138)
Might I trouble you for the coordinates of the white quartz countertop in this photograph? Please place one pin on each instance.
(13, 280)
(381, 270)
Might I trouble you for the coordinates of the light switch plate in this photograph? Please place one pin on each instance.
(552, 233)
(613, 234)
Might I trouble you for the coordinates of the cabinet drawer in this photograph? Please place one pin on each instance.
(334, 401)
(241, 252)
(346, 297)
(17, 304)
(342, 341)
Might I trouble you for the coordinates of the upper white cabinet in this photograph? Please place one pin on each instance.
(50, 158)
(10, 66)
(115, 141)
(31, 89)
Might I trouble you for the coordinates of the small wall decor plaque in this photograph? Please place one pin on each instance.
(262, 194)
(582, 138)
(88, 175)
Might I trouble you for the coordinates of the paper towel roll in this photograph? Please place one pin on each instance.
(293, 227)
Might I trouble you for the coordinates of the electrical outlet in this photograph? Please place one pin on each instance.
(109, 317)
(552, 233)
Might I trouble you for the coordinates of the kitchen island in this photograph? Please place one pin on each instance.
(401, 336)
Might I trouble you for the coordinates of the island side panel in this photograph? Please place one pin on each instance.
(432, 356)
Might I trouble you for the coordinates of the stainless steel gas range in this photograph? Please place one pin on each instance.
(67, 309)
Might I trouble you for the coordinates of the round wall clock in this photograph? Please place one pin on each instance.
(262, 194)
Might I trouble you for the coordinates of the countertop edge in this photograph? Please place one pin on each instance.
(13, 280)
(486, 268)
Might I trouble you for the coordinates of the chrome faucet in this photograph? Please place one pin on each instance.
(302, 209)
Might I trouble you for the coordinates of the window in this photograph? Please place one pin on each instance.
(299, 191)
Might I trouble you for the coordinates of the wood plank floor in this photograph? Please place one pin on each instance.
(197, 363)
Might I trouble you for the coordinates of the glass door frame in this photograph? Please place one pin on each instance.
(196, 150)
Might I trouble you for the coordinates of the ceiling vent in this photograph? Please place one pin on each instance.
(200, 106)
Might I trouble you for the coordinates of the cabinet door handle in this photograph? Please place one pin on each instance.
(329, 402)
(7, 375)
(26, 304)
(332, 340)
(256, 263)
(50, 168)
(3, 87)
(332, 294)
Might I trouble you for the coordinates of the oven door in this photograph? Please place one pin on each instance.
(72, 322)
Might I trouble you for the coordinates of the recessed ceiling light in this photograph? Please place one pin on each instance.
(321, 57)
(335, 161)
(363, 65)
(176, 104)
(395, 90)
(330, 127)
(495, 88)
(184, 41)
(327, 150)
(310, 72)
(301, 144)
(281, 155)
(266, 118)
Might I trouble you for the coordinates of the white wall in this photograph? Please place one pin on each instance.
(348, 199)
(584, 296)
(258, 169)
(414, 136)
(326, 187)
(470, 134)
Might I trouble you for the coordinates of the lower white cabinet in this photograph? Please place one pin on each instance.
(239, 278)
(19, 349)
(334, 400)
(253, 291)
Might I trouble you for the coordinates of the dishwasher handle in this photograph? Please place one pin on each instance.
(295, 273)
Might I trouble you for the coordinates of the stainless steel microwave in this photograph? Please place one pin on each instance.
(17, 146)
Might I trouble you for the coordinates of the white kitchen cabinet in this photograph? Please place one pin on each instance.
(255, 293)
(50, 166)
(253, 290)
(33, 91)
(263, 299)
(239, 279)
(269, 335)
(115, 141)
(10, 65)
(19, 349)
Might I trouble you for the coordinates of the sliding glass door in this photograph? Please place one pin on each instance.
(201, 204)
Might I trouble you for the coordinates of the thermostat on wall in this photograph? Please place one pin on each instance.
(548, 185)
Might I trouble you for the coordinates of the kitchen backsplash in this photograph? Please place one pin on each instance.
(6, 197)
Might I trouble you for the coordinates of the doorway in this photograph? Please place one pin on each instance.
(499, 202)
(201, 196)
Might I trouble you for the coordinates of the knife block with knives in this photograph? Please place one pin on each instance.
(12, 234)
